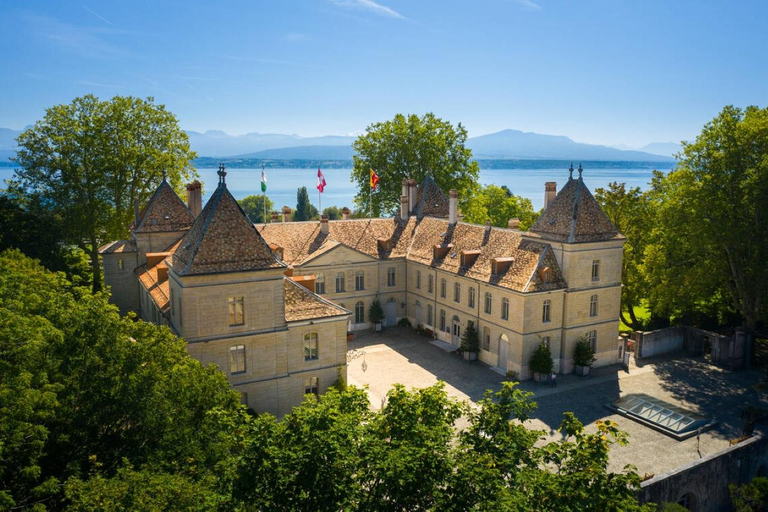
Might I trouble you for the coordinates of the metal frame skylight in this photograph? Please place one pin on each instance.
(662, 416)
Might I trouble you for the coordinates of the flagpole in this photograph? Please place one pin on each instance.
(264, 193)
(370, 200)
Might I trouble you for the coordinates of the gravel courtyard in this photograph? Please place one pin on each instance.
(399, 355)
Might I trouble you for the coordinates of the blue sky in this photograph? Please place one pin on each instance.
(609, 72)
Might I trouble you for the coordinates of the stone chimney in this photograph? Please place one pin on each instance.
(286, 211)
(514, 223)
(195, 197)
(345, 212)
(487, 225)
(550, 191)
(453, 202)
(324, 226)
(412, 195)
(274, 216)
(404, 207)
(406, 186)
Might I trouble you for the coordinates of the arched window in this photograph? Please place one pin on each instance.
(442, 288)
(471, 301)
(505, 309)
(391, 277)
(592, 336)
(545, 313)
(486, 338)
(456, 292)
(310, 346)
(488, 303)
(320, 284)
(431, 284)
(595, 270)
(442, 320)
(593, 305)
(360, 280)
(340, 282)
(429, 314)
(237, 359)
(360, 313)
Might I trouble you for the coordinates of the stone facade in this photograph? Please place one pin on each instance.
(554, 284)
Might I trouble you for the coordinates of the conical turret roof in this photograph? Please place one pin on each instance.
(575, 216)
(165, 211)
(222, 239)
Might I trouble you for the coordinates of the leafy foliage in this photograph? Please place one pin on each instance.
(88, 162)
(333, 212)
(751, 497)
(470, 339)
(583, 355)
(305, 210)
(499, 205)
(412, 147)
(541, 360)
(376, 312)
(254, 207)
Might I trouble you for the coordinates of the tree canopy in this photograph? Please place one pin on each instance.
(91, 159)
(412, 147)
(254, 207)
(305, 210)
(498, 204)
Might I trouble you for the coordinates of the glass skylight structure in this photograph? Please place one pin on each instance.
(657, 414)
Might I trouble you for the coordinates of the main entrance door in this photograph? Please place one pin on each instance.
(391, 313)
(418, 313)
(456, 332)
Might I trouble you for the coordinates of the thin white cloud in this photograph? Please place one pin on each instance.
(102, 18)
(99, 84)
(294, 37)
(528, 4)
(371, 6)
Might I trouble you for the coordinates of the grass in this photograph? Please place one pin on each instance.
(642, 313)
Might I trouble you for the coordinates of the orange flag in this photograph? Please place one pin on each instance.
(374, 180)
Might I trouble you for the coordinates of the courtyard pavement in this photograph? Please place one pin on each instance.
(399, 355)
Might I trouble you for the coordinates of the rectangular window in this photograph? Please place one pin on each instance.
(442, 319)
(429, 314)
(431, 284)
(237, 359)
(595, 270)
(311, 386)
(360, 281)
(593, 340)
(340, 282)
(545, 311)
(320, 287)
(505, 309)
(442, 288)
(360, 313)
(456, 292)
(418, 279)
(391, 277)
(486, 338)
(310, 346)
(236, 316)
(593, 305)
(471, 302)
(488, 303)
(120, 264)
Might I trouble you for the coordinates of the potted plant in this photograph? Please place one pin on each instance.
(541, 363)
(470, 343)
(583, 356)
(376, 314)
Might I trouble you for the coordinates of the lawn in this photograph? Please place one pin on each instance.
(642, 313)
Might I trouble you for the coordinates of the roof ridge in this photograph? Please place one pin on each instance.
(214, 201)
(316, 296)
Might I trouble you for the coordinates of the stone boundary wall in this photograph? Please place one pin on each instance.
(726, 351)
(704, 483)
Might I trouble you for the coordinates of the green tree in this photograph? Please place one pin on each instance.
(499, 205)
(631, 211)
(470, 340)
(751, 497)
(333, 212)
(91, 159)
(304, 208)
(253, 206)
(412, 147)
(710, 242)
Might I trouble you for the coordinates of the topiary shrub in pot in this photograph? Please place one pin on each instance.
(376, 314)
(583, 356)
(470, 343)
(541, 363)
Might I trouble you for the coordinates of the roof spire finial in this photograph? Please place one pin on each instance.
(222, 174)
(570, 172)
(580, 170)
(165, 175)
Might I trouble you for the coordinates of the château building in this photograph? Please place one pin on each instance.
(271, 304)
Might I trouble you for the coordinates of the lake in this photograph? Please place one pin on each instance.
(527, 180)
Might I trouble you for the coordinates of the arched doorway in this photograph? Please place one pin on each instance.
(456, 331)
(502, 351)
(417, 313)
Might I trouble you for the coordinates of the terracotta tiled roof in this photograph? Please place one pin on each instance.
(159, 291)
(302, 241)
(222, 239)
(165, 211)
(521, 275)
(430, 200)
(301, 304)
(120, 246)
(574, 216)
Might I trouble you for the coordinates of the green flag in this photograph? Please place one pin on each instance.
(263, 181)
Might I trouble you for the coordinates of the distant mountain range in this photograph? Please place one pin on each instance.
(503, 145)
